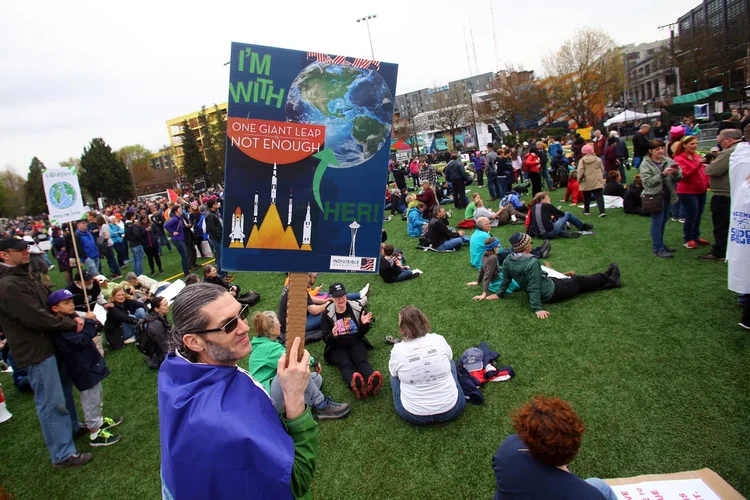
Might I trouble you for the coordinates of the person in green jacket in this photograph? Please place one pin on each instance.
(264, 359)
(523, 267)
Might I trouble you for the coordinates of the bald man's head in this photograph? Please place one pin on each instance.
(483, 223)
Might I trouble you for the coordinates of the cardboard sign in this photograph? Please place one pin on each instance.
(64, 200)
(702, 484)
(308, 143)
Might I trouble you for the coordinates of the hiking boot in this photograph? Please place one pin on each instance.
(359, 386)
(664, 254)
(692, 245)
(587, 227)
(614, 278)
(374, 383)
(75, 460)
(330, 410)
(104, 438)
(110, 422)
(709, 257)
(569, 234)
(546, 248)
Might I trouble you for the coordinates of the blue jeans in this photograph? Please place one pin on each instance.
(692, 205)
(114, 268)
(449, 415)
(51, 407)
(493, 184)
(92, 265)
(163, 240)
(313, 395)
(182, 250)
(560, 225)
(137, 259)
(216, 249)
(128, 330)
(453, 243)
(404, 275)
(658, 224)
(546, 177)
(603, 487)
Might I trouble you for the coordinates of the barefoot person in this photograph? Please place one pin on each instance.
(221, 437)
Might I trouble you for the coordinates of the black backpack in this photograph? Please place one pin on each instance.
(143, 340)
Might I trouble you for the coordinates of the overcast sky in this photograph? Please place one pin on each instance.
(73, 70)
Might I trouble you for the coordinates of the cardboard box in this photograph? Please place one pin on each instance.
(720, 487)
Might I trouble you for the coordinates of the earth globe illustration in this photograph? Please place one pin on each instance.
(354, 104)
(62, 195)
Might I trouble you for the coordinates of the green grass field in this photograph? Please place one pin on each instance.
(658, 370)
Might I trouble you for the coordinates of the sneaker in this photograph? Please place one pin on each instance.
(513, 218)
(569, 234)
(125, 263)
(103, 438)
(546, 248)
(365, 290)
(75, 460)
(161, 271)
(50, 268)
(374, 383)
(587, 227)
(129, 340)
(229, 278)
(675, 219)
(709, 257)
(664, 254)
(670, 249)
(743, 325)
(359, 386)
(703, 241)
(388, 219)
(391, 340)
(691, 245)
(602, 215)
(417, 272)
(586, 213)
(110, 422)
(681, 221)
(330, 410)
(404, 217)
(117, 276)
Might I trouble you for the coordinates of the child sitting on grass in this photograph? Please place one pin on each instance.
(79, 358)
(573, 192)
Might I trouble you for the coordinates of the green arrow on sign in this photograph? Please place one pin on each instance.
(326, 157)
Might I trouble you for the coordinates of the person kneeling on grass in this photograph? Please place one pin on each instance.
(221, 437)
(533, 463)
(264, 360)
(523, 267)
(79, 359)
(423, 375)
(392, 268)
(490, 275)
(547, 222)
(345, 324)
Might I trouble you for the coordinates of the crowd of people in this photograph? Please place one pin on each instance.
(271, 447)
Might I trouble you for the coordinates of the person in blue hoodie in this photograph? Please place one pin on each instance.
(416, 222)
(86, 241)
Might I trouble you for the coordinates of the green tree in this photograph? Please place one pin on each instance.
(104, 173)
(12, 193)
(193, 162)
(218, 130)
(36, 202)
(213, 162)
(133, 153)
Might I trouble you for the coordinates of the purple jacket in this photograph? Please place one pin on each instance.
(176, 225)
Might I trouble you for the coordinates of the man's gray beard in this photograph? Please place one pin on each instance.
(219, 353)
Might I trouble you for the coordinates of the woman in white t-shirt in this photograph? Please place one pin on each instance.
(423, 374)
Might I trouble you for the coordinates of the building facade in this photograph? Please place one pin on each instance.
(650, 78)
(175, 131)
(421, 101)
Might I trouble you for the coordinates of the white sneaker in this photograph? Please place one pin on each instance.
(130, 340)
(365, 290)
(602, 215)
(417, 271)
(513, 218)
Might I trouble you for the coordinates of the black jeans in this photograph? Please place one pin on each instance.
(153, 255)
(350, 359)
(720, 216)
(599, 193)
(536, 182)
(415, 179)
(480, 178)
(565, 289)
(459, 194)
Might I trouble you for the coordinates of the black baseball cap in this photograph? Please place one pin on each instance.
(16, 243)
(336, 290)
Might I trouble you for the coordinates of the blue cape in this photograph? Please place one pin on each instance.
(221, 437)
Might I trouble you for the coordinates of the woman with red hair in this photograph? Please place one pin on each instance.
(533, 464)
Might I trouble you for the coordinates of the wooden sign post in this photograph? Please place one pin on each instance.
(80, 267)
(296, 313)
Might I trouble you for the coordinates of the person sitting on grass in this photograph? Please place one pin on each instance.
(523, 267)
(442, 238)
(573, 191)
(427, 196)
(392, 268)
(490, 274)
(632, 203)
(264, 361)
(423, 375)
(79, 359)
(514, 199)
(345, 324)
(533, 463)
(157, 331)
(119, 329)
(472, 206)
(505, 215)
(417, 223)
(211, 275)
(613, 187)
(247, 450)
(476, 245)
(547, 222)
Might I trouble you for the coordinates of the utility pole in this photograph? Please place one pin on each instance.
(675, 69)
(366, 19)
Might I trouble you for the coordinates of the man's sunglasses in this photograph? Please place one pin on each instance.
(231, 325)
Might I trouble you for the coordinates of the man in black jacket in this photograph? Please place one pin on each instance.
(134, 235)
(640, 144)
(30, 328)
(215, 235)
(442, 238)
(455, 173)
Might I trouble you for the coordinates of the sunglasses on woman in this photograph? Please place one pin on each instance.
(231, 324)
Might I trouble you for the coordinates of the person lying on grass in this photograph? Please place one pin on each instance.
(547, 222)
(523, 267)
(490, 275)
(423, 374)
(264, 360)
(533, 463)
(345, 324)
(505, 215)
(221, 437)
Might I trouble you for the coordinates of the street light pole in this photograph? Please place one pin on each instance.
(366, 19)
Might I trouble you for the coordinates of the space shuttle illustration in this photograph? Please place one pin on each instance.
(237, 236)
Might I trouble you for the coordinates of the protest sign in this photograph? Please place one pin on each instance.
(64, 200)
(308, 138)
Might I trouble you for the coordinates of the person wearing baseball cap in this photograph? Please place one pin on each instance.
(523, 267)
(30, 328)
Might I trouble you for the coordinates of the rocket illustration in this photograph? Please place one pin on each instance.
(307, 229)
(273, 186)
(289, 219)
(238, 223)
(255, 209)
